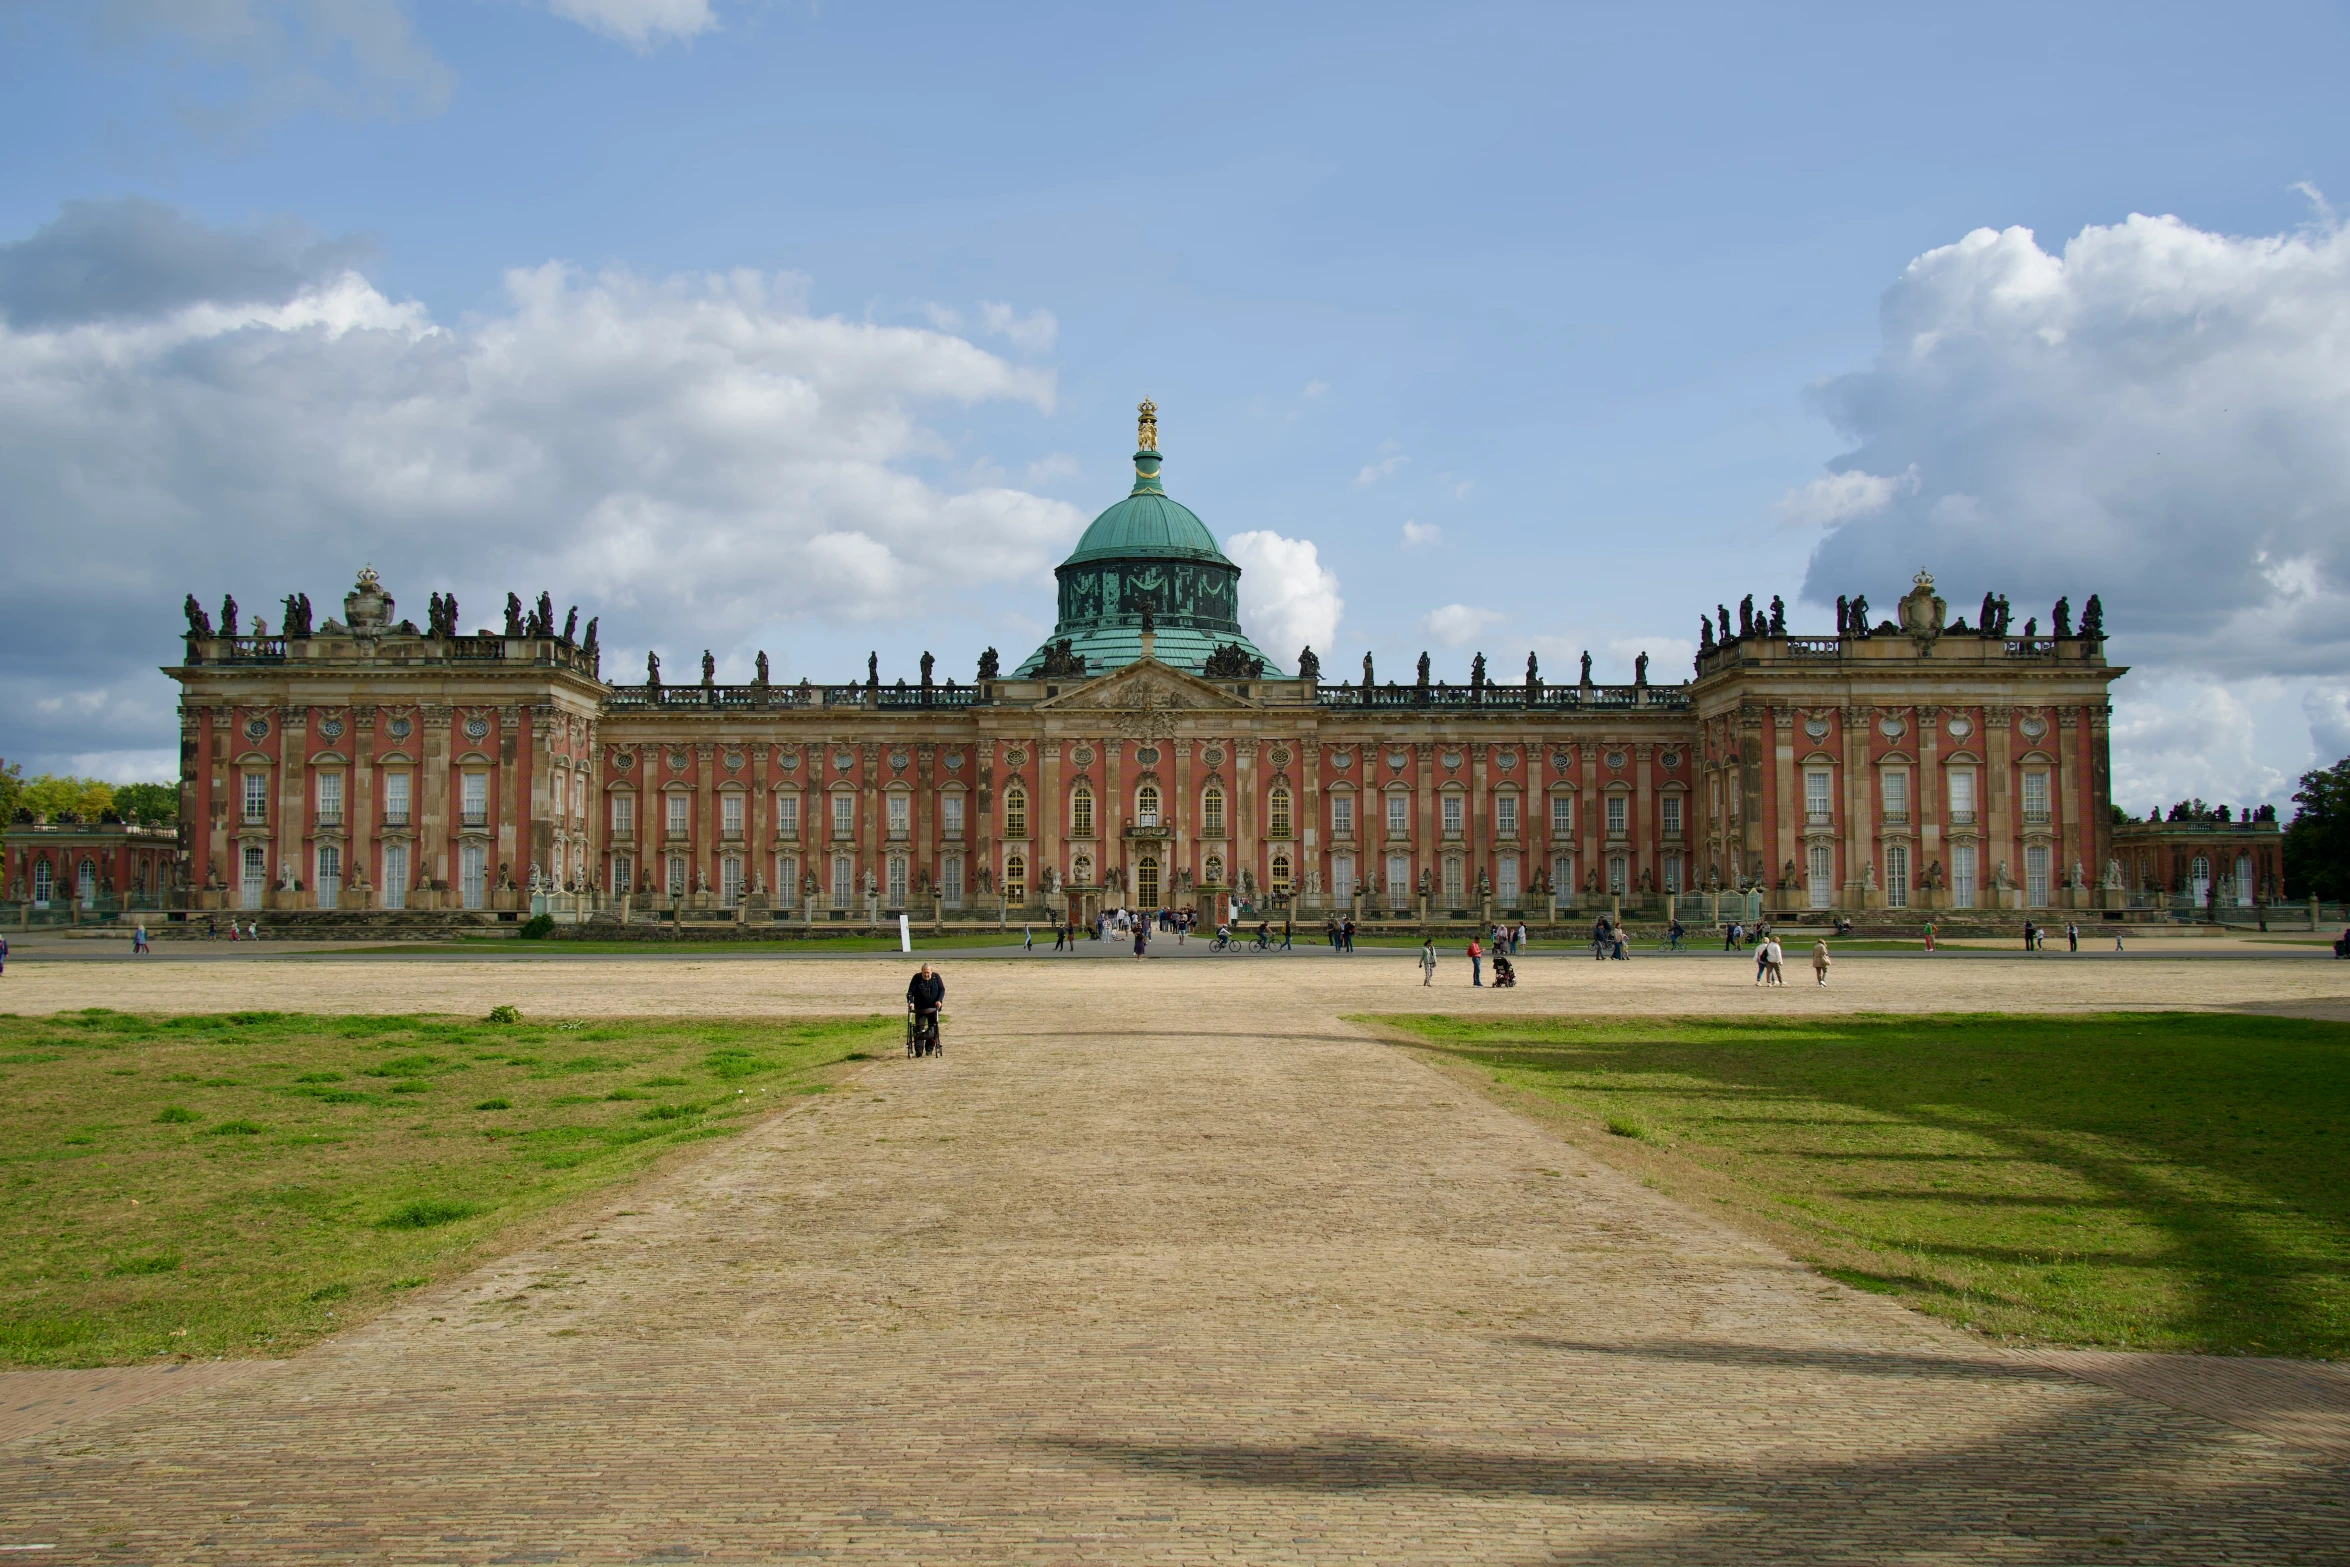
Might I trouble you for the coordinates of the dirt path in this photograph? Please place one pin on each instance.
(1160, 1264)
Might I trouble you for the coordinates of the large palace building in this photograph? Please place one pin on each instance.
(1146, 755)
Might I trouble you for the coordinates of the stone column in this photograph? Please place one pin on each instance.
(1999, 841)
(1478, 843)
(1428, 860)
(2068, 808)
(1925, 804)
(2099, 742)
(1244, 815)
(359, 802)
(1644, 828)
(1534, 825)
(1590, 818)
(430, 789)
(1858, 835)
(1110, 814)
(1045, 814)
(1179, 803)
(293, 816)
(872, 833)
(1309, 821)
(926, 847)
(1787, 809)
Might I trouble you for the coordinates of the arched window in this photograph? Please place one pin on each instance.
(1211, 810)
(1015, 812)
(1277, 812)
(1146, 882)
(1281, 876)
(1081, 812)
(1015, 878)
(1146, 809)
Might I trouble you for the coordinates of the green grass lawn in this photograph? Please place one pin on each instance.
(242, 1184)
(2173, 1181)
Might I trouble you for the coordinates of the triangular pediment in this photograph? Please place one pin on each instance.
(1148, 686)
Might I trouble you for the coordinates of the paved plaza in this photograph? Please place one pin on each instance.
(1166, 1263)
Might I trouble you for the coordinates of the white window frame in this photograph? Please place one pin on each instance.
(624, 815)
(1619, 816)
(399, 799)
(330, 797)
(1670, 807)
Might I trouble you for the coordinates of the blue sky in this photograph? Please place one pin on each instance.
(655, 302)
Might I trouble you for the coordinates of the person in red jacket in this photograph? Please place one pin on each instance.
(1476, 963)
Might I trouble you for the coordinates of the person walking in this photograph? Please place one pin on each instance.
(1476, 963)
(3, 954)
(139, 940)
(1285, 934)
(1762, 961)
(1427, 961)
(2072, 936)
(1142, 936)
(2029, 933)
(1346, 935)
(1929, 935)
(1820, 960)
(1027, 938)
(2117, 939)
(1778, 960)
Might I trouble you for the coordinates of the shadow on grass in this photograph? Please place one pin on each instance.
(2218, 1135)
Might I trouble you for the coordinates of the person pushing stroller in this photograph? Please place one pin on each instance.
(925, 994)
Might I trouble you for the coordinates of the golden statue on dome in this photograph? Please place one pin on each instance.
(1146, 435)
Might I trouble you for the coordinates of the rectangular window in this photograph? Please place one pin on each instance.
(677, 815)
(900, 811)
(623, 874)
(1821, 880)
(844, 880)
(1894, 783)
(951, 810)
(1277, 814)
(395, 882)
(623, 815)
(1016, 814)
(730, 883)
(1505, 880)
(255, 878)
(2036, 874)
(1672, 873)
(1342, 816)
(1211, 812)
(1399, 816)
(1399, 882)
(2035, 796)
(950, 881)
(1562, 875)
(1562, 815)
(330, 799)
(474, 800)
(330, 876)
(1015, 879)
(1962, 799)
(1505, 815)
(579, 799)
(1672, 815)
(1619, 871)
(1615, 816)
(257, 797)
(730, 816)
(557, 781)
(396, 805)
(1819, 785)
(1897, 876)
(787, 879)
(1081, 814)
(1962, 876)
(676, 880)
(897, 879)
(844, 815)
(787, 816)
(1452, 819)
(1452, 884)
(1342, 879)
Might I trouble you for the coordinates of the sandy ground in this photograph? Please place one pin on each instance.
(1164, 1262)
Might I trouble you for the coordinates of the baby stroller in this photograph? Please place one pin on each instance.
(1505, 976)
(922, 1033)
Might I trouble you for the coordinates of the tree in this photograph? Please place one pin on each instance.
(57, 797)
(148, 804)
(2317, 844)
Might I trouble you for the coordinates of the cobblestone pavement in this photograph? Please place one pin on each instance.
(1154, 1266)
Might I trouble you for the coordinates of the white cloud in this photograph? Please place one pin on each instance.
(1457, 625)
(2156, 415)
(1417, 534)
(1316, 389)
(638, 23)
(2187, 735)
(2327, 707)
(1373, 472)
(1840, 497)
(1033, 332)
(1288, 598)
(693, 451)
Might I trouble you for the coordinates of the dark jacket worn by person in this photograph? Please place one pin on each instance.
(924, 995)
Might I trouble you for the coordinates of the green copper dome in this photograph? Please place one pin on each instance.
(1148, 550)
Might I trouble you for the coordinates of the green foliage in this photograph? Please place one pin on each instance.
(537, 928)
(2317, 843)
(505, 1015)
(56, 796)
(303, 1206)
(2142, 1180)
(148, 804)
(1625, 1126)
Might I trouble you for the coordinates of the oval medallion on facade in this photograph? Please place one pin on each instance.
(734, 761)
(1015, 757)
(954, 761)
(2033, 728)
(1669, 760)
(623, 761)
(1451, 760)
(897, 761)
(1399, 760)
(477, 727)
(256, 728)
(331, 729)
(1562, 760)
(1615, 761)
(1082, 756)
(1892, 727)
(788, 760)
(1816, 726)
(1213, 755)
(1280, 756)
(1961, 726)
(1342, 760)
(399, 728)
(842, 761)
(1505, 760)
(1147, 755)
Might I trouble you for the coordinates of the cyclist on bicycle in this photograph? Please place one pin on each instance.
(925, 993)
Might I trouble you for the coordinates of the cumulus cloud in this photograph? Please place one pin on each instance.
(1288, 598)
(2326, 705)
(1034, 331)
(2187, 735)
(1457, 625)
(2155, 414)
(638, 23)
(1373, 472)
(1421, 534)
(693, 451)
